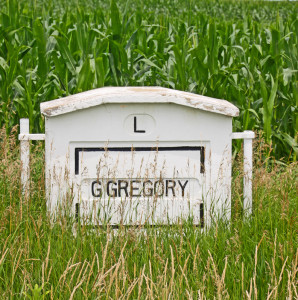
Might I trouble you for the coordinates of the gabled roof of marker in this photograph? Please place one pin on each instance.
(124, 95)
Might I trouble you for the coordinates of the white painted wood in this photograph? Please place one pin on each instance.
(32, 137)
(125, 95)
(247, 169)
(25, 158)
(247, 134)
(110, 120)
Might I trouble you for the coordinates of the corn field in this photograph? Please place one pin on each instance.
(241, 51)
(244, 52)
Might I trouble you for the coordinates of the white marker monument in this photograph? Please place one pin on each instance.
(135, 155)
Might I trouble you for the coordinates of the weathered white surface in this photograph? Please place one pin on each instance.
(71, 171)
(247, 177)
(31, 137)
(247, 134)
(25, 152)
(125, 95)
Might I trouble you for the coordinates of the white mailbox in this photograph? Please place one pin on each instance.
(131, 155)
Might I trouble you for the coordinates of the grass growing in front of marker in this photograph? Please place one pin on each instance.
(255, 259)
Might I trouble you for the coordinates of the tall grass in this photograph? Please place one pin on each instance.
(239, 51)
(255, 259)
(245, 52)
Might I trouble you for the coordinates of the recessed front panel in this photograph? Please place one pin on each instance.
(152, 181)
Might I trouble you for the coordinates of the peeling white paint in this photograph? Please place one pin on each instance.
(124, 95)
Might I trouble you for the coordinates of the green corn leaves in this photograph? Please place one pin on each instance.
(245, 53)
(68, 60)
(212, 48)
(115, 20)
(86, 75)
(39, 35)
(268, 105)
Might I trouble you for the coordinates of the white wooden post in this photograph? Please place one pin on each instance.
(25, 157)
(247, 177)
(248, 136)
(25, 137)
